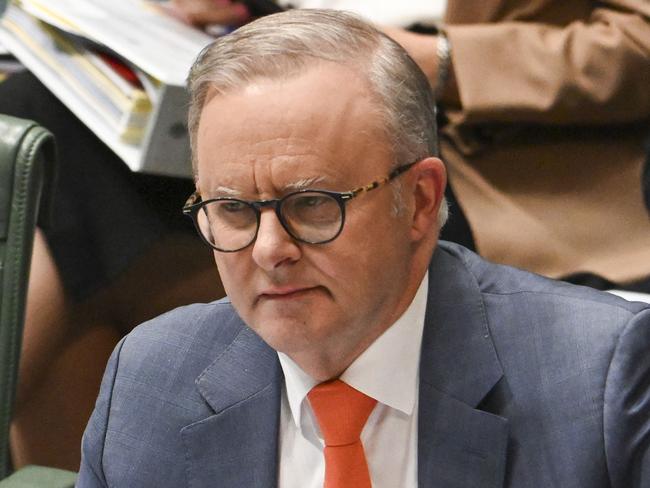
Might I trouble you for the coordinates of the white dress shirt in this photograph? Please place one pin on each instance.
(388, 372)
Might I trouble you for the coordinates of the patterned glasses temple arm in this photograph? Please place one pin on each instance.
(392, 175)
(192, 200)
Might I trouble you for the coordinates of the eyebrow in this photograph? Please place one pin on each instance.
(303, 184)
(224, 190)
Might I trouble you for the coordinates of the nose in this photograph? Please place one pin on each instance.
(273, 246)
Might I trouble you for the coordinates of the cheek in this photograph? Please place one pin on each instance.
(346, 272)
(232, 273)
(382, 254)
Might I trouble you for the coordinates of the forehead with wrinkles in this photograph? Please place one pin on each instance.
(309, 125)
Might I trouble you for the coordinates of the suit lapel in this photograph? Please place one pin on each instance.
(237, 446)
(458, 444)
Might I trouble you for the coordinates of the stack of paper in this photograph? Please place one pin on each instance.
(120, 66)
(122, 105)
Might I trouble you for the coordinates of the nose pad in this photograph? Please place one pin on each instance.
(273, 245)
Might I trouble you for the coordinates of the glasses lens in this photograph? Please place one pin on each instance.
(312, 216)
(228, 225)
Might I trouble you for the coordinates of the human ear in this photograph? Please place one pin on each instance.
(430, 179)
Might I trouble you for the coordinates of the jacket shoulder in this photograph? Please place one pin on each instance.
(501, 280)
(186, 339)
(149, 394)
(575, 368)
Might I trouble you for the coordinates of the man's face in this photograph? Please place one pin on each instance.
(318, 130)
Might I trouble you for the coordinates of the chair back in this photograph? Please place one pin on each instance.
(27, 158)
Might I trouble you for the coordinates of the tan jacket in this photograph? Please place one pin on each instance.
(546, 154)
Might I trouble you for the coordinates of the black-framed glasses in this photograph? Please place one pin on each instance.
(229, 224)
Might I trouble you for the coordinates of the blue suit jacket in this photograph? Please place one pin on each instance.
(525, 382)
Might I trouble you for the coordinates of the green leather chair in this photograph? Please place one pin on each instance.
(27, 159)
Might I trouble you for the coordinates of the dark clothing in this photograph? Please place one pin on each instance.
(103, 215)
(644, 285)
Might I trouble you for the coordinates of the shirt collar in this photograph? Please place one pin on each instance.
(386, 371)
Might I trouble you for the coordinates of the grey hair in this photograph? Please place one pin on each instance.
(282, 45)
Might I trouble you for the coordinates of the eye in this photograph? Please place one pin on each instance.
(312, 208)
(233, 206)
(311, 201)
(232, 214)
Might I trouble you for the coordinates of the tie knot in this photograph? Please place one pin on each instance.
(341, 411)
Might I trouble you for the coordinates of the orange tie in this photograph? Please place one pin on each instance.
(342, 412)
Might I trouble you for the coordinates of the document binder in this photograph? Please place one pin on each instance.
(119, 66)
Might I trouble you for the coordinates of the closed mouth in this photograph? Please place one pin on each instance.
(286, 293)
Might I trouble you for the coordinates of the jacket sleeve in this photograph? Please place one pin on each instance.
(627, 407)
(91, 471)
(591, 70)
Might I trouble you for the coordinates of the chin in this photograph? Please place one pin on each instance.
(288, 335)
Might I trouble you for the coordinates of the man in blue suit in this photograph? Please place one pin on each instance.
(313, 140)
